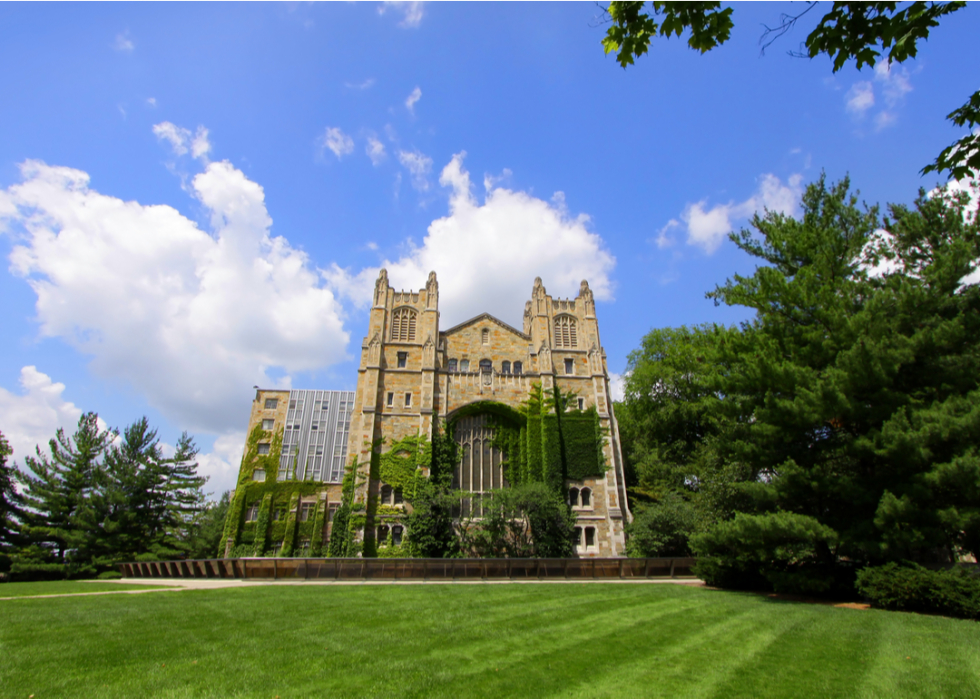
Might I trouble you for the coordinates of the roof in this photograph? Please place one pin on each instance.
(485, 316)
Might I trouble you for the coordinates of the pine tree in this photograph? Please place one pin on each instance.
(151, 498)
(63, 493)
(11, 503)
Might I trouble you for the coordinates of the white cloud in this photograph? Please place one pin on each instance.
(371, 245)
(361, 85)
(419, 166)
(884, 119)
(895, 81)
(32, 418)
(123, 42)
(152, 101)
(860, 98)
(200, 146)
(617, 386)
(663, 240)
(221, 464)
(413, 98)
(337, 141)
(487, 254)
(181, 140)
(189, 318)
(707, 228)
(375, 150)
(411, 12)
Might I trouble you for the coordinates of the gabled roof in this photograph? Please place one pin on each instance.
(485, 316)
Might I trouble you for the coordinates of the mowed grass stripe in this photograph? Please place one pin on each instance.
(481, 640)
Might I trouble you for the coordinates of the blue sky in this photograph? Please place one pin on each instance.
(196, 198)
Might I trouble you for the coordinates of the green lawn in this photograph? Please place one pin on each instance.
(589, 640)
(65, 587)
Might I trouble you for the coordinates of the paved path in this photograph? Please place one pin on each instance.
(177, 584)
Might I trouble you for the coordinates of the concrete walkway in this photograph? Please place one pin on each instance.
(178, 584)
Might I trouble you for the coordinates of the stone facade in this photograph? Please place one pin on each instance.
(412, 373)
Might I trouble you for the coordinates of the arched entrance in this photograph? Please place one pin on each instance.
(480, 466)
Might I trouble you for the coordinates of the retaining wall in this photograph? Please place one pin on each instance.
(414, 568)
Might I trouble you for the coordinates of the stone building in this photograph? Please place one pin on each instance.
(478, 377)
(289, 483)
(413, 373)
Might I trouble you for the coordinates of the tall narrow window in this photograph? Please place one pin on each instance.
(566, 333)
(464, 365)
(402, 359)
(505, 368)
(408, 400)
(486, 336)
(586, 496)
(518, 368)
(569, 366)
(581, 403)
(391, 399)
(590, 537)
(403, 325)
(452, 365)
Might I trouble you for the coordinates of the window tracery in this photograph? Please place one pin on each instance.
(566, 331)
(403, 321)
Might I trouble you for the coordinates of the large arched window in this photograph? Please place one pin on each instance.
(566, 332)
(403, 325)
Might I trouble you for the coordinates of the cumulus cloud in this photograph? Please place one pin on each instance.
(124, 43)
(860, 98)
(487, 254)
(189, 318)
(413, 98)
(419, 166)
(221, 464)
(708, 227)
(181, 140)
(337, 141)
(33, 417)
(411, 12)
(375, 150)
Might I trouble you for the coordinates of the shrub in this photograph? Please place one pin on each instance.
(912, 588)
(661, 529)
(110, 575)
(780, 551)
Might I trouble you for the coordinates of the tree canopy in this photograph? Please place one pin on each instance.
(840, 424)
(863, 32)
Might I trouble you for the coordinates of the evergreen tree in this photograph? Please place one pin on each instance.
(64, 508)
(11, 504)
(840, 424)
(152, 499)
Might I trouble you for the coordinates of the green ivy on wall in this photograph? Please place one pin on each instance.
(551, 444)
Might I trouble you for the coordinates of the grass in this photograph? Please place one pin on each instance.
(538, 640)
(65, 587)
